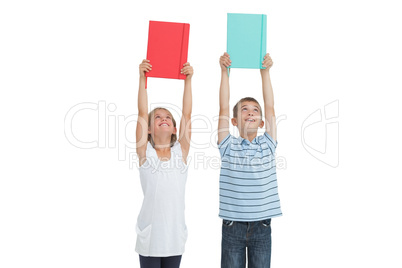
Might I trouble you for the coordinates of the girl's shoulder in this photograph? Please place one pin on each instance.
(176, 148)
(151, 151)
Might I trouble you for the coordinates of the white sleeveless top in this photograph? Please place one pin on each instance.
(161, 229)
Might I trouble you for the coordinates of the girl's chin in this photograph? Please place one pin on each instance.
(162, 130)
(167, 133)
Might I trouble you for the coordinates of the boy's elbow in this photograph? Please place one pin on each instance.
(270, 110)
(224, 109)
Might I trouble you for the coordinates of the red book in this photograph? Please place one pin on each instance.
(167, 49)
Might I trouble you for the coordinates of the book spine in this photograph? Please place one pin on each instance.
(263, 49)
(184, 49)
(227, 40)
(149, 33)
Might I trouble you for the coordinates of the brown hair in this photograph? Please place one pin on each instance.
(236, 107)
(173, 138)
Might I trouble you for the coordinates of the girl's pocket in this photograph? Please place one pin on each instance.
(143, 239)
(185, 234)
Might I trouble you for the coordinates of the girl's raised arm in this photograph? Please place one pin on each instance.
(185, 122)
(142, 122)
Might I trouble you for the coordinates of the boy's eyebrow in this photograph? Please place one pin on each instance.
(246, 105)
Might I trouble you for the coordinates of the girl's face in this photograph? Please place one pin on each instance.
(162, 123)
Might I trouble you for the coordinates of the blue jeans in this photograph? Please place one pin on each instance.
(160, 262)
(237, 237)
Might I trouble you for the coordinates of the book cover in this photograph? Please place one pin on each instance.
(167, 48)
(246, 39)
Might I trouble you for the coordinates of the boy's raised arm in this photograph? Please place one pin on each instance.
(268, 94)
(224, 94)
(185, 122)
(142, 122)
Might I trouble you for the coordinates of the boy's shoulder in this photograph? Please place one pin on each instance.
(257, 140)
(243, 143)
(260, 143)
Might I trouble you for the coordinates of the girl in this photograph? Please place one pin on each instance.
(161, 228)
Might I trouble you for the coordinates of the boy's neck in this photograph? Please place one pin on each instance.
(249, 136)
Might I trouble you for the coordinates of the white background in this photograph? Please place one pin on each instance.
(63, 206)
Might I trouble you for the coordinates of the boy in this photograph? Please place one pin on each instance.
(248, 190)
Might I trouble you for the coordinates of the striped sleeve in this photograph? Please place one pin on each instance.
(270, 142)
(224, 145)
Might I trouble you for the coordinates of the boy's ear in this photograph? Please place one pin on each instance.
(234, 121)
(261, 124)
(149, 130)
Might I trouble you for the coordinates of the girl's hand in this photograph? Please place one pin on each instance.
(267, 62)
(145, 66)
(187, 70)
(225, 61)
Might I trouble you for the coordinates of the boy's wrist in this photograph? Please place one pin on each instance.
(264, 71)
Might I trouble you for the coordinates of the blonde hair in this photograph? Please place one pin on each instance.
(173, 138)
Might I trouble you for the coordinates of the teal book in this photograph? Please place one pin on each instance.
(246, 40)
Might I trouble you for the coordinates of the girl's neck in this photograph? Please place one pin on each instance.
(162, 148)
(162, 144)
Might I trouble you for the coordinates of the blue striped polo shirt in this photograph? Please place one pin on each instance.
(248, 190)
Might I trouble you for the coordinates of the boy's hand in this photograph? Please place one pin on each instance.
(267, 63)
(145, 66)
(187, 70)
(225, 61)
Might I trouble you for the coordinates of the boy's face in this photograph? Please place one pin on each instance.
(248, 117)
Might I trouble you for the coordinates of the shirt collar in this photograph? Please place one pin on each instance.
(243, 141)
